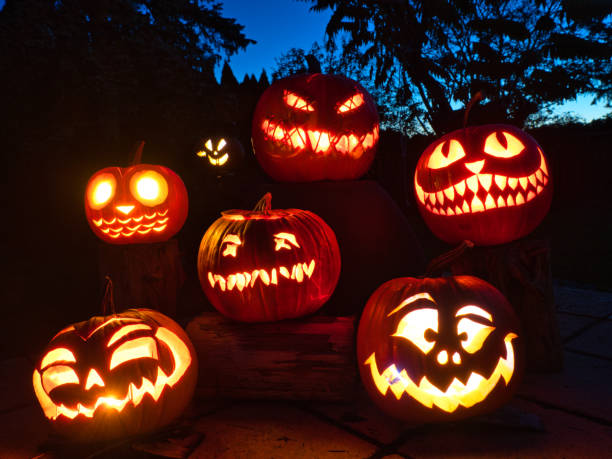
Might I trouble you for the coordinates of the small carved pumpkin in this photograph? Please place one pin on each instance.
(221, 152)
(141, 203)
(488, 184)
(438, 349)
(268, 264)
(315, 127)
(118, 375)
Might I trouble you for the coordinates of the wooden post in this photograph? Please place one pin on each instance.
(144, 275)
(521, 271)
(305, 359)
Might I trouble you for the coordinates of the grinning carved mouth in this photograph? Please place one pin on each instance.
(481, 192)
(220, 161)
(134, 394)
(298, 272)
(133, 225)
(320, 141)
(474, 391)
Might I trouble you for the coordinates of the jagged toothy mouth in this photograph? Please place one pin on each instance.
(481, 192)
(298, 273)
(144, 224)
(467, 394)
(320, 142)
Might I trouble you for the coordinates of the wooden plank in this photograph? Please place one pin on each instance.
(306, 359)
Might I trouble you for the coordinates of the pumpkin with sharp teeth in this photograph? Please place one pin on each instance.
(439, 349)
(268, 264)
(141, 203)
(113, 376)
(488, 184)
(315, 127)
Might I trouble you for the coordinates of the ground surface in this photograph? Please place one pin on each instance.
(562, 415)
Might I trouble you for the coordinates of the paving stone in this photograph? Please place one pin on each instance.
(596, 340)
(22, 431)
(16, 384)
(274, 430)
(583, 386)
(564, 435)
(571, 323)
(364, 417)
(595, 303)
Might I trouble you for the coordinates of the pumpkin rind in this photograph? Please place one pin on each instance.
(96, 382)
(419, 374)
(274, 264)
(315, 127)
(488, 184)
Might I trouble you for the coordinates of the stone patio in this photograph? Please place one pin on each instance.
(561, 415)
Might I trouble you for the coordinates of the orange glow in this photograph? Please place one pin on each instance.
(475, 167)
(93, 379)
(218, 161)
(134, 395)
(232, 241)
(126, 330)
(58, 375)
(351, 104)
(149, 187)
(437, 160)
(297, 102)
(101, 190)
(412, 299)
(125, 209)
(56, 356)
(442, 357)
(513, 146)
(138, 348)
(474, 391)
(281, 240)
(414, 325)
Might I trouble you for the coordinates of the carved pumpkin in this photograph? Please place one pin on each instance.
(438, 349)
(315, 127)
(268, 264)
(221, 153)
(118, 375)
(141, 203)
(488, 184)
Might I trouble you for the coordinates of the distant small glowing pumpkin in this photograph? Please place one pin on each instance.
(222, 152)
(439, 349)
(114, 376)
(488, 184)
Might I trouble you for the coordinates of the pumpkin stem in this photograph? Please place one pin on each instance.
(438, 264)
(473, 101)
(264, 204)
(108, 301)
(136, 154)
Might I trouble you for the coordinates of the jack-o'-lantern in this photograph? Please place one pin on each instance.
(118, 375)
(315, 127)
(141, 203)
(438, 349)
(268, 264)
(222, 153)
(488, 184)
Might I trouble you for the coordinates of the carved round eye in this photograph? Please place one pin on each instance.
(58, 375)
(512, 148)
(351, 103)
(232, 242)
(475, 334)
(285, 241)
(438, 160)
(101, 190)
(414, 325)
(297, 102)
(149, 188)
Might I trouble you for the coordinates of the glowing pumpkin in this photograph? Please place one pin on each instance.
(315, 127)
(221, 153)
(488, 184)
(118, 375)
(141, 203)
(438, 349)
(268, 264)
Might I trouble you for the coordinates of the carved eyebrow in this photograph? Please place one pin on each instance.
(61, 354)
(412, 299)
(125, 331)
(471, 309)
(288, 237)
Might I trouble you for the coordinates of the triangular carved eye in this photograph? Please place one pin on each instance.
(439, 160)
(297, 102)
(232, 241)
(351, 103)
(512, 148)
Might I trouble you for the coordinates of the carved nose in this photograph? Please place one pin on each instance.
(125, 209)
(476, 166)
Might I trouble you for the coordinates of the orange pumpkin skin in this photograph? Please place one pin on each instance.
(116, 376)
(315, 127)
(268, 264)
(488, 184)
(126, 217)
(423, 345)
